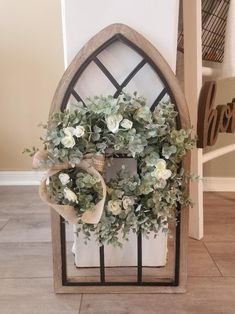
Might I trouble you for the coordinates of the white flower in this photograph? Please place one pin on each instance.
(70, 195)
(115, 207)
(160, 184)
(161, 172)
(64, 178)
(113, 122)
(79, 131)
(127, 202)
(69, 131)
(126, 124)
(68, 141)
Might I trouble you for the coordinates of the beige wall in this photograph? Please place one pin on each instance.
(31, 64)
(223, 166)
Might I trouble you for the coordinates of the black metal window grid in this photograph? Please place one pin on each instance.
(119, 87)
(214, 19)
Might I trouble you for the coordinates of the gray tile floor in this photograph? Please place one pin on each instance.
(26, 285)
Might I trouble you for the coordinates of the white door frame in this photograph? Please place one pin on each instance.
(192, 87)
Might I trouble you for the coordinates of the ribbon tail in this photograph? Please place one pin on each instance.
(66, 211)
(93, 216)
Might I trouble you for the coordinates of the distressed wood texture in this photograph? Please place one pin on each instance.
(213, 120)
(182, 108)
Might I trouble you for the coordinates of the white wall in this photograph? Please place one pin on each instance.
(228, 69)
(157, 20)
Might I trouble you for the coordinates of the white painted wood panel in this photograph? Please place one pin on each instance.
(158, 22)
(192, 87)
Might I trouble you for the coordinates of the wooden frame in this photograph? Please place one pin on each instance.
(169, 77)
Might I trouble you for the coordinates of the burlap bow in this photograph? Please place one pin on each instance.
(92, 164)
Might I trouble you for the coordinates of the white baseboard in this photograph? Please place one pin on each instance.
(225, 184)
(219, 184)
(20, 177)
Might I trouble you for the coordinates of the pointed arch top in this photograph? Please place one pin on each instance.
(132, 38)
(89, 51)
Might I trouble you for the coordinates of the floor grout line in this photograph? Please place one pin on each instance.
(207, 276)
(20, 278)
(28, 242)
(201, 276)
(219, 242)
(80, 306)
(217, 266)
(2, 227)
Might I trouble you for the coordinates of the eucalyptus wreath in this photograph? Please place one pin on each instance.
(145, 201)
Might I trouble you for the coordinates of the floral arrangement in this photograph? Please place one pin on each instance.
(145, 201)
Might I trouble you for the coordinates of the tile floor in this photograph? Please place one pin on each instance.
(26, 285)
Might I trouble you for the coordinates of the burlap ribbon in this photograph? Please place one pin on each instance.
(92, 164)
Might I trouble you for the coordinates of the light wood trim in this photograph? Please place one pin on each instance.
(218, 153)
(192, 87)
(184, 229)
(56, 250)
(169, 76)
(120, 289)
(211, 72)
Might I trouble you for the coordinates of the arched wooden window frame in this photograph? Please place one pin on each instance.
(137, 42)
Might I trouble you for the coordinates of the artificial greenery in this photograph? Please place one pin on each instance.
(146, 201)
